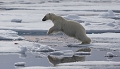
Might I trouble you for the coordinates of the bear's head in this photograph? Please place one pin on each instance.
(48, 17)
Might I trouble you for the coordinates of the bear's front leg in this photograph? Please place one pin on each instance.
(50, 31)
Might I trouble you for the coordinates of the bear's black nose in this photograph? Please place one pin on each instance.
(43, 19)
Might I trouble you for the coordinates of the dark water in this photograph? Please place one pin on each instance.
(42, 59)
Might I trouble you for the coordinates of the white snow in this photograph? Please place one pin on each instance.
(16, 20)
(9, 35)
(22, 47)
(62, 53)
(81, 53)
(72, 17)
(43, 48)
(80, 11)
(108, 14)
(11, 47)
(111, 24)
(110, 54)
(97, 16)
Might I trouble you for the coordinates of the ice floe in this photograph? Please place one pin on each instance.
(68, 53)
(81, 53)
(78, 10)
(110, 54)
(11, 47)
(62, 53)
(21, 64)
(16, 20)
(111, 24)
(108, 14)
(72, 16)
(9, 35)
(43, 48)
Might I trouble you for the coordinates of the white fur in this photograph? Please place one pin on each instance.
(70, 28)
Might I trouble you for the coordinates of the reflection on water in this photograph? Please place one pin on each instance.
(45, 59)
(21, 55)
(56, 60)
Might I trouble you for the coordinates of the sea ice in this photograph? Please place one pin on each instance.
(57, 53)
(43, 48)
(110, 54)
(86, 24)
(81, 53)
(72, 16)
(11, 47)
(9, 35)
(108, 14)
(16, 20)
(20, 64)
(111, 24)
(62, 53)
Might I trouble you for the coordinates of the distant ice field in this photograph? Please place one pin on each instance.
(27, 15)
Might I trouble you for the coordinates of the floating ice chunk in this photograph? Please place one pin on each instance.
(23, 49)
(16, 20)
(107, 14)
(86, 24)
(110, 54)
(81, 53)
(58, 53)
(72, 16)
(110, 13)
(20, 64)
(64, 53)
(111, 24)
(44, 48)
(68, 53)
(37, 44)
(9, 35)
(7, 32)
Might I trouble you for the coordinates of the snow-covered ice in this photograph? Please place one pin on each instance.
(108, 14)
(16, 20)
(24, 17)
(43, 48)
(110, 54)
(10, 35)
(81, 53)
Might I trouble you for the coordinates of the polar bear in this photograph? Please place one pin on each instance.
(70, 28)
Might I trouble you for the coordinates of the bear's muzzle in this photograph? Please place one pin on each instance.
(44, 19)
